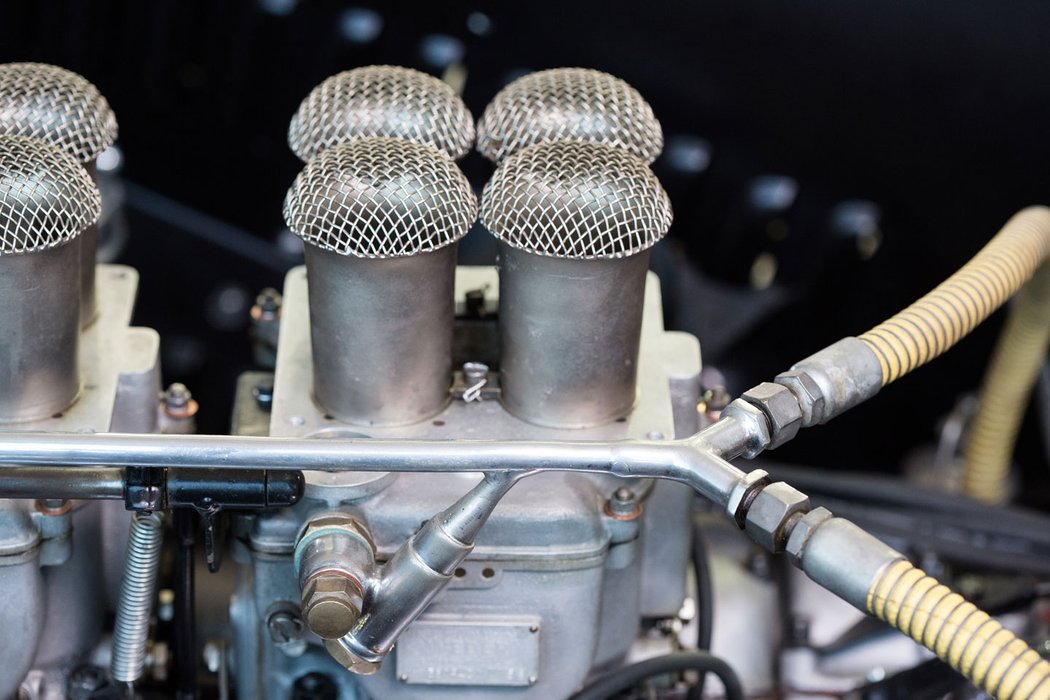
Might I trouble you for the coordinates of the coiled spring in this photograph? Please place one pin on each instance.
(131, 629)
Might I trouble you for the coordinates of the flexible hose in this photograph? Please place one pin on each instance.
(705, 604)
(940, 319)
(630, 676)
(969, 640)
(131, 629)
(1011, 375)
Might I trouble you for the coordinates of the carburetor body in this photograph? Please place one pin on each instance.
(560, 579)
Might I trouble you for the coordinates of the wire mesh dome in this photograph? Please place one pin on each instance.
(57, 106)
(380, 197)
(574, 199)
(47, 198)
(569, 103)
(381, 101)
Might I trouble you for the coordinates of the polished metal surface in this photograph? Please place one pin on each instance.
(569, 104)
(575, 223)
(380, 218)
(381, 101)
(46, 201)
(569, 332)
(381, 334)
(687, 461)
(40, 323)
(57, 106)
(576, 200)
(380, 198)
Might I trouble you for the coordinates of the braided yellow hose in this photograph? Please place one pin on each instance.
(1012, 372)
(940, 319)
(963, 636)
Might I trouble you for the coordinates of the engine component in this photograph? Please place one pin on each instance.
(137, 590)
(46, 202)
(382, 101)
(567, 244)
(576, 104)
(380, 218)
(494, 530)
(64, 109)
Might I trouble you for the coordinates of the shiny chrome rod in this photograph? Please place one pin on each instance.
(699, 461)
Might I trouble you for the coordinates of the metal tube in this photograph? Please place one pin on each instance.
(90, 483)
(40, 330)
(686, 461)
(381, 331)
(569, 334)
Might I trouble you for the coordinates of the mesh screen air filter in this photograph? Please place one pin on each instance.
(47, 198)
(57, 106)
(381, 101)
(380, 197)
(574, 199)
(569, 103)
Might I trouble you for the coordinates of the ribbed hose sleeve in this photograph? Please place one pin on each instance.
(1013, 371)
(940, 319)
(971, 641)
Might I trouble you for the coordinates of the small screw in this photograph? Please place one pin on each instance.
(284, 627)
(178, 401)
(534, 628)
(263, 393)
(403, 678)
(623, 505)
(267, 305)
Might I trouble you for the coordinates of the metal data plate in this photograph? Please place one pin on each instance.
(456, 650)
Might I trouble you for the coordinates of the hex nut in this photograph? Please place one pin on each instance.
(808, 393)
(336, 521)
(755, 423)
(331, 604)
(802, 530)
(350, 661)
(770, 512)
(781, 408)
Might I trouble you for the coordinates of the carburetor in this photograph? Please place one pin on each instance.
(383, 336)
(457, 481)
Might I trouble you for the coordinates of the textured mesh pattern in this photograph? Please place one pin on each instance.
(569, 103)
(382, 101)
(380, 198)
(57, 106)
(573, 199)
(46, 197)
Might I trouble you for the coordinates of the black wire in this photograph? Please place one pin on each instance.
(630, 676)
(705, 608)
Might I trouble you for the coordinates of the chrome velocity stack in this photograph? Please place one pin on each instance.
(381, 101)
(64, 109)
(47, 200)
(380, 218)
(575, 222)
(576, 104)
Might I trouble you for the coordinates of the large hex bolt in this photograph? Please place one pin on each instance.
(331, 603)
(772, 512)
(780, 407)
(335, 555)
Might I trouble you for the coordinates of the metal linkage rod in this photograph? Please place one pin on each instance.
(699, 461)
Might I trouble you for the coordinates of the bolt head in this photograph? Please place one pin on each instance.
(331, 604)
